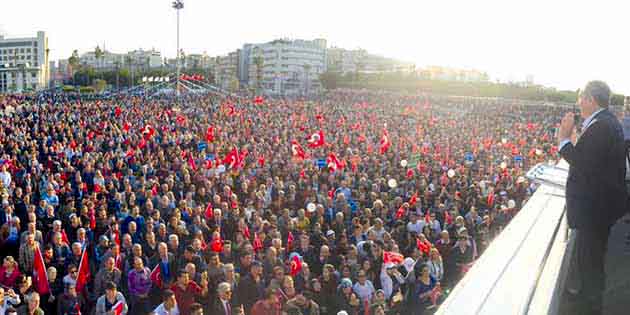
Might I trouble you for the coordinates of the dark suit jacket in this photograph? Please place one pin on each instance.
(172, 267)
(596, 194)
(216, 307)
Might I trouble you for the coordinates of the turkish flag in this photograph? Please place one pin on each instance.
(232, 159)
(333, 162)
(210, 134)
(40, 278)
(413, 200)
(258, 245)
(191, 162)
(297, 150)
(118, 308)
(400, 212)
(84, 271)
(156, 276)
(126, 127)
(384, 142)
(246, 232)
(424, 247)
(209, 211)
(117, 238)
(296, 265)
(392, 257)
(216, 245)
(316, 140)
(64, 237)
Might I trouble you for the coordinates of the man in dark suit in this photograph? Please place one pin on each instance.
(223, 303)
(167, 266)
(596, 195)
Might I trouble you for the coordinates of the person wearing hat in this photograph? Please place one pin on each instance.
(344, 297)
(101, 249)
(251, 287)
(107, 301)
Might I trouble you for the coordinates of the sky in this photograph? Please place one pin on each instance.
(560, 43)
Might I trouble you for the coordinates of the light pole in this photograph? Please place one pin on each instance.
(177, 5)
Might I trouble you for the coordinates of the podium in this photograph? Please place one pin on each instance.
(549, 174)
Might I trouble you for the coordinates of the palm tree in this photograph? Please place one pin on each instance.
(98, 54)
(128, 61)
(47, 75)
(73, 61)
(117, 67)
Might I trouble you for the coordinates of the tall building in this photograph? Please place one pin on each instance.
(24, 63)
(226, 70)
(283, 66)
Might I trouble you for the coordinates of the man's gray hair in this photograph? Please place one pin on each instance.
(599, 91)
(223, 287)
(32, 296)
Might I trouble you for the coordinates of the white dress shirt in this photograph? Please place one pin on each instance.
(161, 310)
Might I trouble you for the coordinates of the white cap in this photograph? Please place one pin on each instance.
(342, 313)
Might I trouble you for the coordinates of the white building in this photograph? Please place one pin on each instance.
(226, 70)
(359, 60)
(108, 60)
(144, 58)
(286, 67)
(24, 63)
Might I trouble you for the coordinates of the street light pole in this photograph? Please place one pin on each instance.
(177, 5)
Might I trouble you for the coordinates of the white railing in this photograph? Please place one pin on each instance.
(524, 268)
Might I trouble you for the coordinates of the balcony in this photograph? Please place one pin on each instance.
(528, 267)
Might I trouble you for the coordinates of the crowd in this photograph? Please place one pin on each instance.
(355, 203)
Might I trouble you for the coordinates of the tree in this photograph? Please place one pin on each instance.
(129, 65)
(73, 61)
(98, 54)
(99, 85)
(234, 85)
(329, 79)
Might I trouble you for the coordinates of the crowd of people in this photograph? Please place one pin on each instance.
(354, 203)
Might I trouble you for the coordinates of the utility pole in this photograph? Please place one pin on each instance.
(177, 5)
